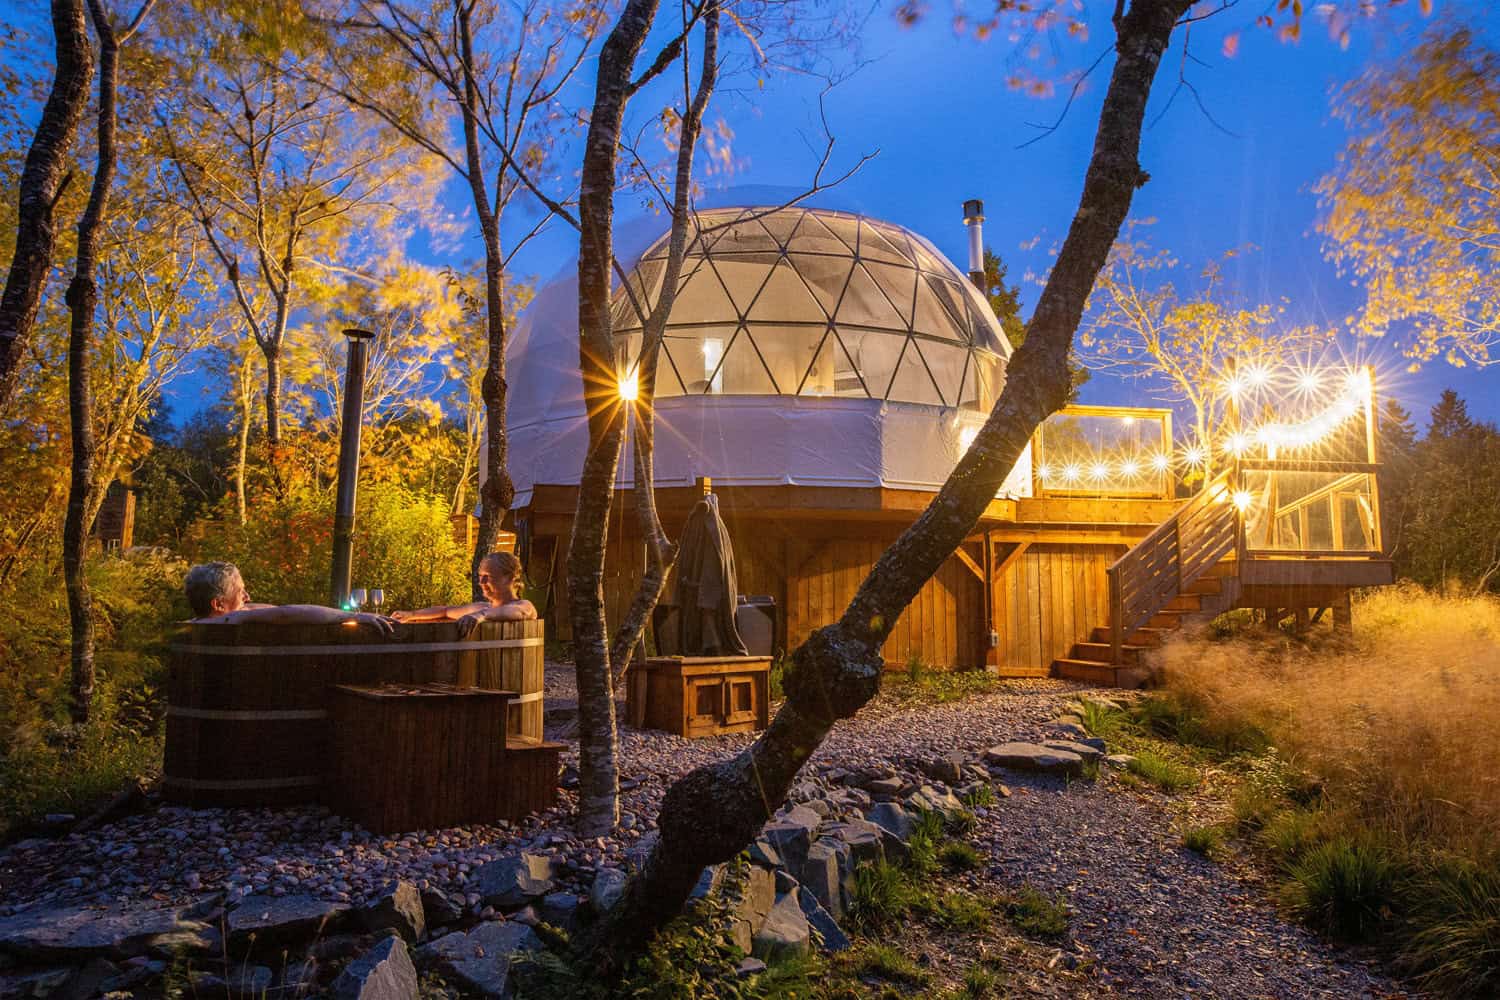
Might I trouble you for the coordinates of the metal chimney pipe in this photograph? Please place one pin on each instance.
(974, 221)
(343, 512)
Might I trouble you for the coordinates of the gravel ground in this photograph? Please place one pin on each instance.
(1157, 920)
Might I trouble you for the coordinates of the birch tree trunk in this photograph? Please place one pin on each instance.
(42, 180)
(83, 299)
(714, 811)
(599, 780)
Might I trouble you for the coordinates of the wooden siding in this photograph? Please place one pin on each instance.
(1048, 598)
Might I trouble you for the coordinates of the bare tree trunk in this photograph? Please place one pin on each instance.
(599, 780)
(714, 811)
(273, 393)
(83, 299)
(42, 181)
(242, 451)
(661, 551)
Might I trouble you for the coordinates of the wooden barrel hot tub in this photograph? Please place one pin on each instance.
(248, 705)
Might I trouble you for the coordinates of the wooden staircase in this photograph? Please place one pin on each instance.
(1182, 572)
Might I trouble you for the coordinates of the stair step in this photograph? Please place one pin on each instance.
(1088, 671)
(1100, 651)
(1222, 568)
(1013, 672)
(1206, 585)
(1144, 636)
(1185, 602)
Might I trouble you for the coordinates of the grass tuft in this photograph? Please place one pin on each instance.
(1204, 840)
(1344, 887)
(1165, 774)
(958, 856)
(1036, 914)
(886, 962)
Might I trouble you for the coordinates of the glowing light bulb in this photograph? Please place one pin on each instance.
(1046, 471)
(1161, 463)
(1099, 471)
(1237, 444)
(1309, 382)
(1129, 468)
(1193, 456)
(966, 438)
(1234, 387)
(630, 387)
(1071, 472)
(1243, 499)
(1257, 377)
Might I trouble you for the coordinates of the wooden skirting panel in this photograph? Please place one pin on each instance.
(1048, 598)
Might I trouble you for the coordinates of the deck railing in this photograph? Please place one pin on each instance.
(1166, 562)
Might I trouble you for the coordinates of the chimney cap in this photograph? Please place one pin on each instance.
(973, 210)
(355, 333)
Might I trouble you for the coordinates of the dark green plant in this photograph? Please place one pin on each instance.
(1345, 887)
(1204, 840)
(887, 962)
(1165, 774)
(1453, 929)
(958, 856)
(1036, 914)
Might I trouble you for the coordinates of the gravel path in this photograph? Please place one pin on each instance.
(1157, 920)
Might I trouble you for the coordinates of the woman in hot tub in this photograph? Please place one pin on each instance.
(500, 582)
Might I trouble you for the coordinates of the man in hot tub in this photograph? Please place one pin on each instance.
(217, 594)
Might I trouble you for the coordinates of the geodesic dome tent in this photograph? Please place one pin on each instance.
(803, 302)
(805, 347)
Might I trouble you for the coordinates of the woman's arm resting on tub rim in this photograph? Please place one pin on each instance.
(304, 614)
(441, 613)
(511, 611)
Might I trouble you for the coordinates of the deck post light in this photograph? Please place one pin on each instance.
(343, 512)
(974, 222)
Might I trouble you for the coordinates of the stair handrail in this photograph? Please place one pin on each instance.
(1212, 520)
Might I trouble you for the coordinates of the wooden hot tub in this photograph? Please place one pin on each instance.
(248, 705)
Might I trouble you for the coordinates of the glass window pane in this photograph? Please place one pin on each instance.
(948, 364)
(873, 356)
(742, 372)
(899, 286)
(865, 304)
(787, 352)
(824, 276)
(785, 298)
(874, 245)
(912, 383)
(1311, 511)
(813, 236)
(845, 227)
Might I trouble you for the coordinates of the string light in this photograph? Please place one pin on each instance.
(1243, 499)
(1129, 468)
(1071, 472)
(1099, 471)
(1257, 377)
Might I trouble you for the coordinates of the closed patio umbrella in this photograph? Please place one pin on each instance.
(706, 590)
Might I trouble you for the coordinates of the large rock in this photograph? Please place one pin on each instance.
(893, 818)
(885, 787)
(829, 934)
(944, 803)
(789, 840)
(399, 909)
(560, 909)
(785, 932)
(820, 877)
(512, 882)
(283, 919)
(77, 933)
(609, 885)
(948, 768)
(385, 972)
(1034, 757)
(480, 960)
(1087, 751)
(866, 841)
(749, 908)
(439, 909)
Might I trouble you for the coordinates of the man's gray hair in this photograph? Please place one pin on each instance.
(206, 582)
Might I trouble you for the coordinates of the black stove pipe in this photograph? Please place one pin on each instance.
(343, 512)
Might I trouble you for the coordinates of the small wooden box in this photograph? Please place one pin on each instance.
(427, 756)
(700, 695)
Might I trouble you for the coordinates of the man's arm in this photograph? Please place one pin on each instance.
(304, 614)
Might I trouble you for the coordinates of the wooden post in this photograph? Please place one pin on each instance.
(1116, 614)
(1343, 617)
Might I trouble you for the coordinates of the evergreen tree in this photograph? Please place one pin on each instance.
(1449, 418)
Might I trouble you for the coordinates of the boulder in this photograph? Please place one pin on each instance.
(785, 932)
(944, 803)
(1119, 761)
(763, 854)
(803, 816)
(512, 882)
(282, 919)
(709, 879)
(560, 909)
(948, 768)
(1085, 750)
(749, 908)
(439, 909)
(609, 885)
(399, 909)
(893, 819)
(830, 936)
(749, 967)
(820, 877)
(864, 840)
(790, 841)
(385, 972)
(884, 787)
(1069, 730)
(77, 933)
(480, 959)
(1034, 757)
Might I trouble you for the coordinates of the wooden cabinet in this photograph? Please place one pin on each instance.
(700, 695)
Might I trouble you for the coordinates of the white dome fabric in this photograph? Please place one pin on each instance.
(811, 302)
(872, 370)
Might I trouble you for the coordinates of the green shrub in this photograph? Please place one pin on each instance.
(1204, 840)
(962, 911)
(915, 668)
(1167, 775)
(1037, 915)
(958, 856)
(1452, 942)
(922, 845)
(979, 983)
(1345, 887)
(1290, 833)
(982, 797)
(882, 894)
(1183, 718)
(1102, 719)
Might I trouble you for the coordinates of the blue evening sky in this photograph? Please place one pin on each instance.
(947, 128)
